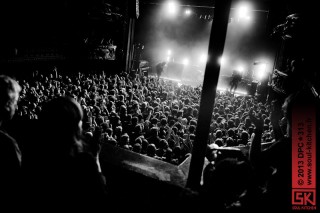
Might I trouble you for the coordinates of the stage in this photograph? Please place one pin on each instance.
(244, 87)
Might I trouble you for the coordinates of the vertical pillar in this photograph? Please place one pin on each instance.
(132, 9)
(210, 82)
(129, 46)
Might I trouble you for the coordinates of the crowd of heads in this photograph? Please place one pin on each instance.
(147, 115)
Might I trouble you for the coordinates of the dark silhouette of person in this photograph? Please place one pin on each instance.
(225, 182)
(62, 175)
(159, 68)
(235, 80)
(10, 154)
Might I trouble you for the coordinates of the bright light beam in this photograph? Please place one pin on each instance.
(221, 60)
(172, 8)
(261, 71)
(185, 61)
(243, 11)
(203, 58)
(240, 69)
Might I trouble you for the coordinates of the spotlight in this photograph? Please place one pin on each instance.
(187, 12)
(222, 60)
(243, 11)
(203, 58)
(260, 71)
(172, 8)
(260, 75)
(240, 69)
(185, 61)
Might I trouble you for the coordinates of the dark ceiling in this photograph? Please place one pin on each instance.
(35, 20)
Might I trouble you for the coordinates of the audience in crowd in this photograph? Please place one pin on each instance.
(78, 114)
(127, 108)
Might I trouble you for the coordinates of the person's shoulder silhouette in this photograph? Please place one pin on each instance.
(64, 173)
(10, 154)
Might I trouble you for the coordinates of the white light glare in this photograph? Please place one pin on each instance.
(203, 58)
(185, 61)
(169, 52)
(243, 11)
(260, 75)
(172, 8)
(187, 12)
(240, 69)
(261, 71)
(221, 60)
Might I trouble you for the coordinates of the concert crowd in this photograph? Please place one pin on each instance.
(149, 116)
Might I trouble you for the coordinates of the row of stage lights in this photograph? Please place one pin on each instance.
(259, 71)
(185, 61)
(242, 12)
(189, 12)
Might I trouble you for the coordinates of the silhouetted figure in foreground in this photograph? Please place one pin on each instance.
(62, 175)
(10, 154)
(225, 185)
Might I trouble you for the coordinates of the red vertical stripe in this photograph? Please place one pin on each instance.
(304, 157)
(304, 147)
